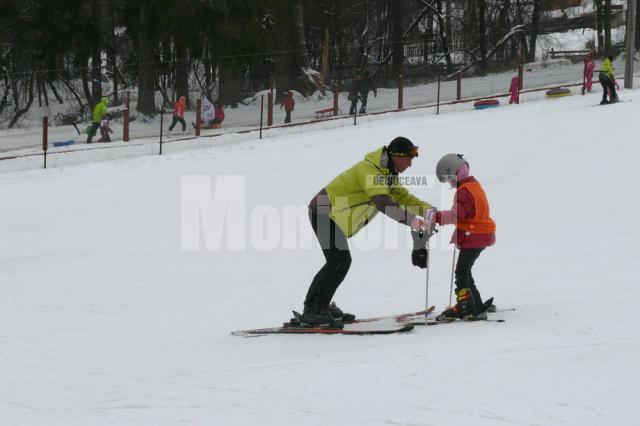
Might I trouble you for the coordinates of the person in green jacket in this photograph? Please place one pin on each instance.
(345, 206)
(98, 112)
(607, 80)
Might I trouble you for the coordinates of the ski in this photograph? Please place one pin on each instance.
(457, 320)
(349, 329)
(410, 316)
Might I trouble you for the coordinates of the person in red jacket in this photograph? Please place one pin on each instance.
(475, 230)
(219, 115)
(514, 88)
(288, 103)
(178, 113)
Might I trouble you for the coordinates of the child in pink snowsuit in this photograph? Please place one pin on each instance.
(514, 89)
(589, 66)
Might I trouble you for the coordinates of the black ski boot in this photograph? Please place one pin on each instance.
(465, 308)
(313, 316)
(339, 315)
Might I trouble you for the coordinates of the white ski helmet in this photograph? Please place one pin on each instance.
(448, 167)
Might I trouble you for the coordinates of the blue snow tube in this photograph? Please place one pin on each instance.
(486, 103)
(64, 143)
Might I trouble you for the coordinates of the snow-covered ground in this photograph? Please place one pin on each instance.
(109, 316)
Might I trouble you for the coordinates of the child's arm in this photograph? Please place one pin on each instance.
(463, 208)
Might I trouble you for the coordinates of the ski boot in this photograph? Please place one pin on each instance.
(339, 315)
(465, 308)
(314, 316)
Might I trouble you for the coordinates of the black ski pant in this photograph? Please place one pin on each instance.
(363, 98)
(608, 86)
(338, 260)
(92, 131)
(175, 121)
(287, 117)
(354, 105)
(464, 279)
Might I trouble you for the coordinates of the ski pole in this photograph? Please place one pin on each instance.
(427, 280)
(453, 264)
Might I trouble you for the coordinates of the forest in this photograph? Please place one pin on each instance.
(64, 51)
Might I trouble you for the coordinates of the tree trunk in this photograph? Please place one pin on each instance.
(55, 92)
(299, 36)
(147, 68)
(182, 72)
(22, 111)
(482, 36)
(599, 19)
(535, 27)
(397, 45)
(607, 26)
(113, 56)
(96, 54)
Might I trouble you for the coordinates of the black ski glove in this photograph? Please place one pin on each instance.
(419, 255)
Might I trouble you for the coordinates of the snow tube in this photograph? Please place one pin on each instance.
(558, 92)
(486, 103)
(64, 143)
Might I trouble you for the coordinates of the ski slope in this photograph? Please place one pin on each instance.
(113, 313)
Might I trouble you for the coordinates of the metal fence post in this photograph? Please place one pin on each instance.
(270, 104)
(125, 127)
(45, 138)
(401, 87)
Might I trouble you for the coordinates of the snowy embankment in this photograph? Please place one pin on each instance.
(105, 320)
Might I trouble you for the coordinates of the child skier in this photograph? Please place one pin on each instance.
(289, 104)
(178, 113)
(219, 115)
(105, 129)
(475, 230)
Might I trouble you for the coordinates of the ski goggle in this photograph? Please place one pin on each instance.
(412, 152)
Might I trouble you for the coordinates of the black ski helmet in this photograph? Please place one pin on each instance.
(402, 147)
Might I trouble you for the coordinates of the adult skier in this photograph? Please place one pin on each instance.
(98, 113)
(607, 79)
(475, 230)
(345, 206)
(365, 84)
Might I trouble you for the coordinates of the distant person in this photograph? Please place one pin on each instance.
(105, 129)
(514, 88)
(208, 114)
(289, 104)
(365, 85)
(178, 113)
(98, 113)
(218, 115)
(353, 94)
(607, 80)
(589, 67)
(475, 231)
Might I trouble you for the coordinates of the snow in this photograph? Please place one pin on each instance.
(110, 315)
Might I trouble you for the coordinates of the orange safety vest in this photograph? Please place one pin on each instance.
(481, 223)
